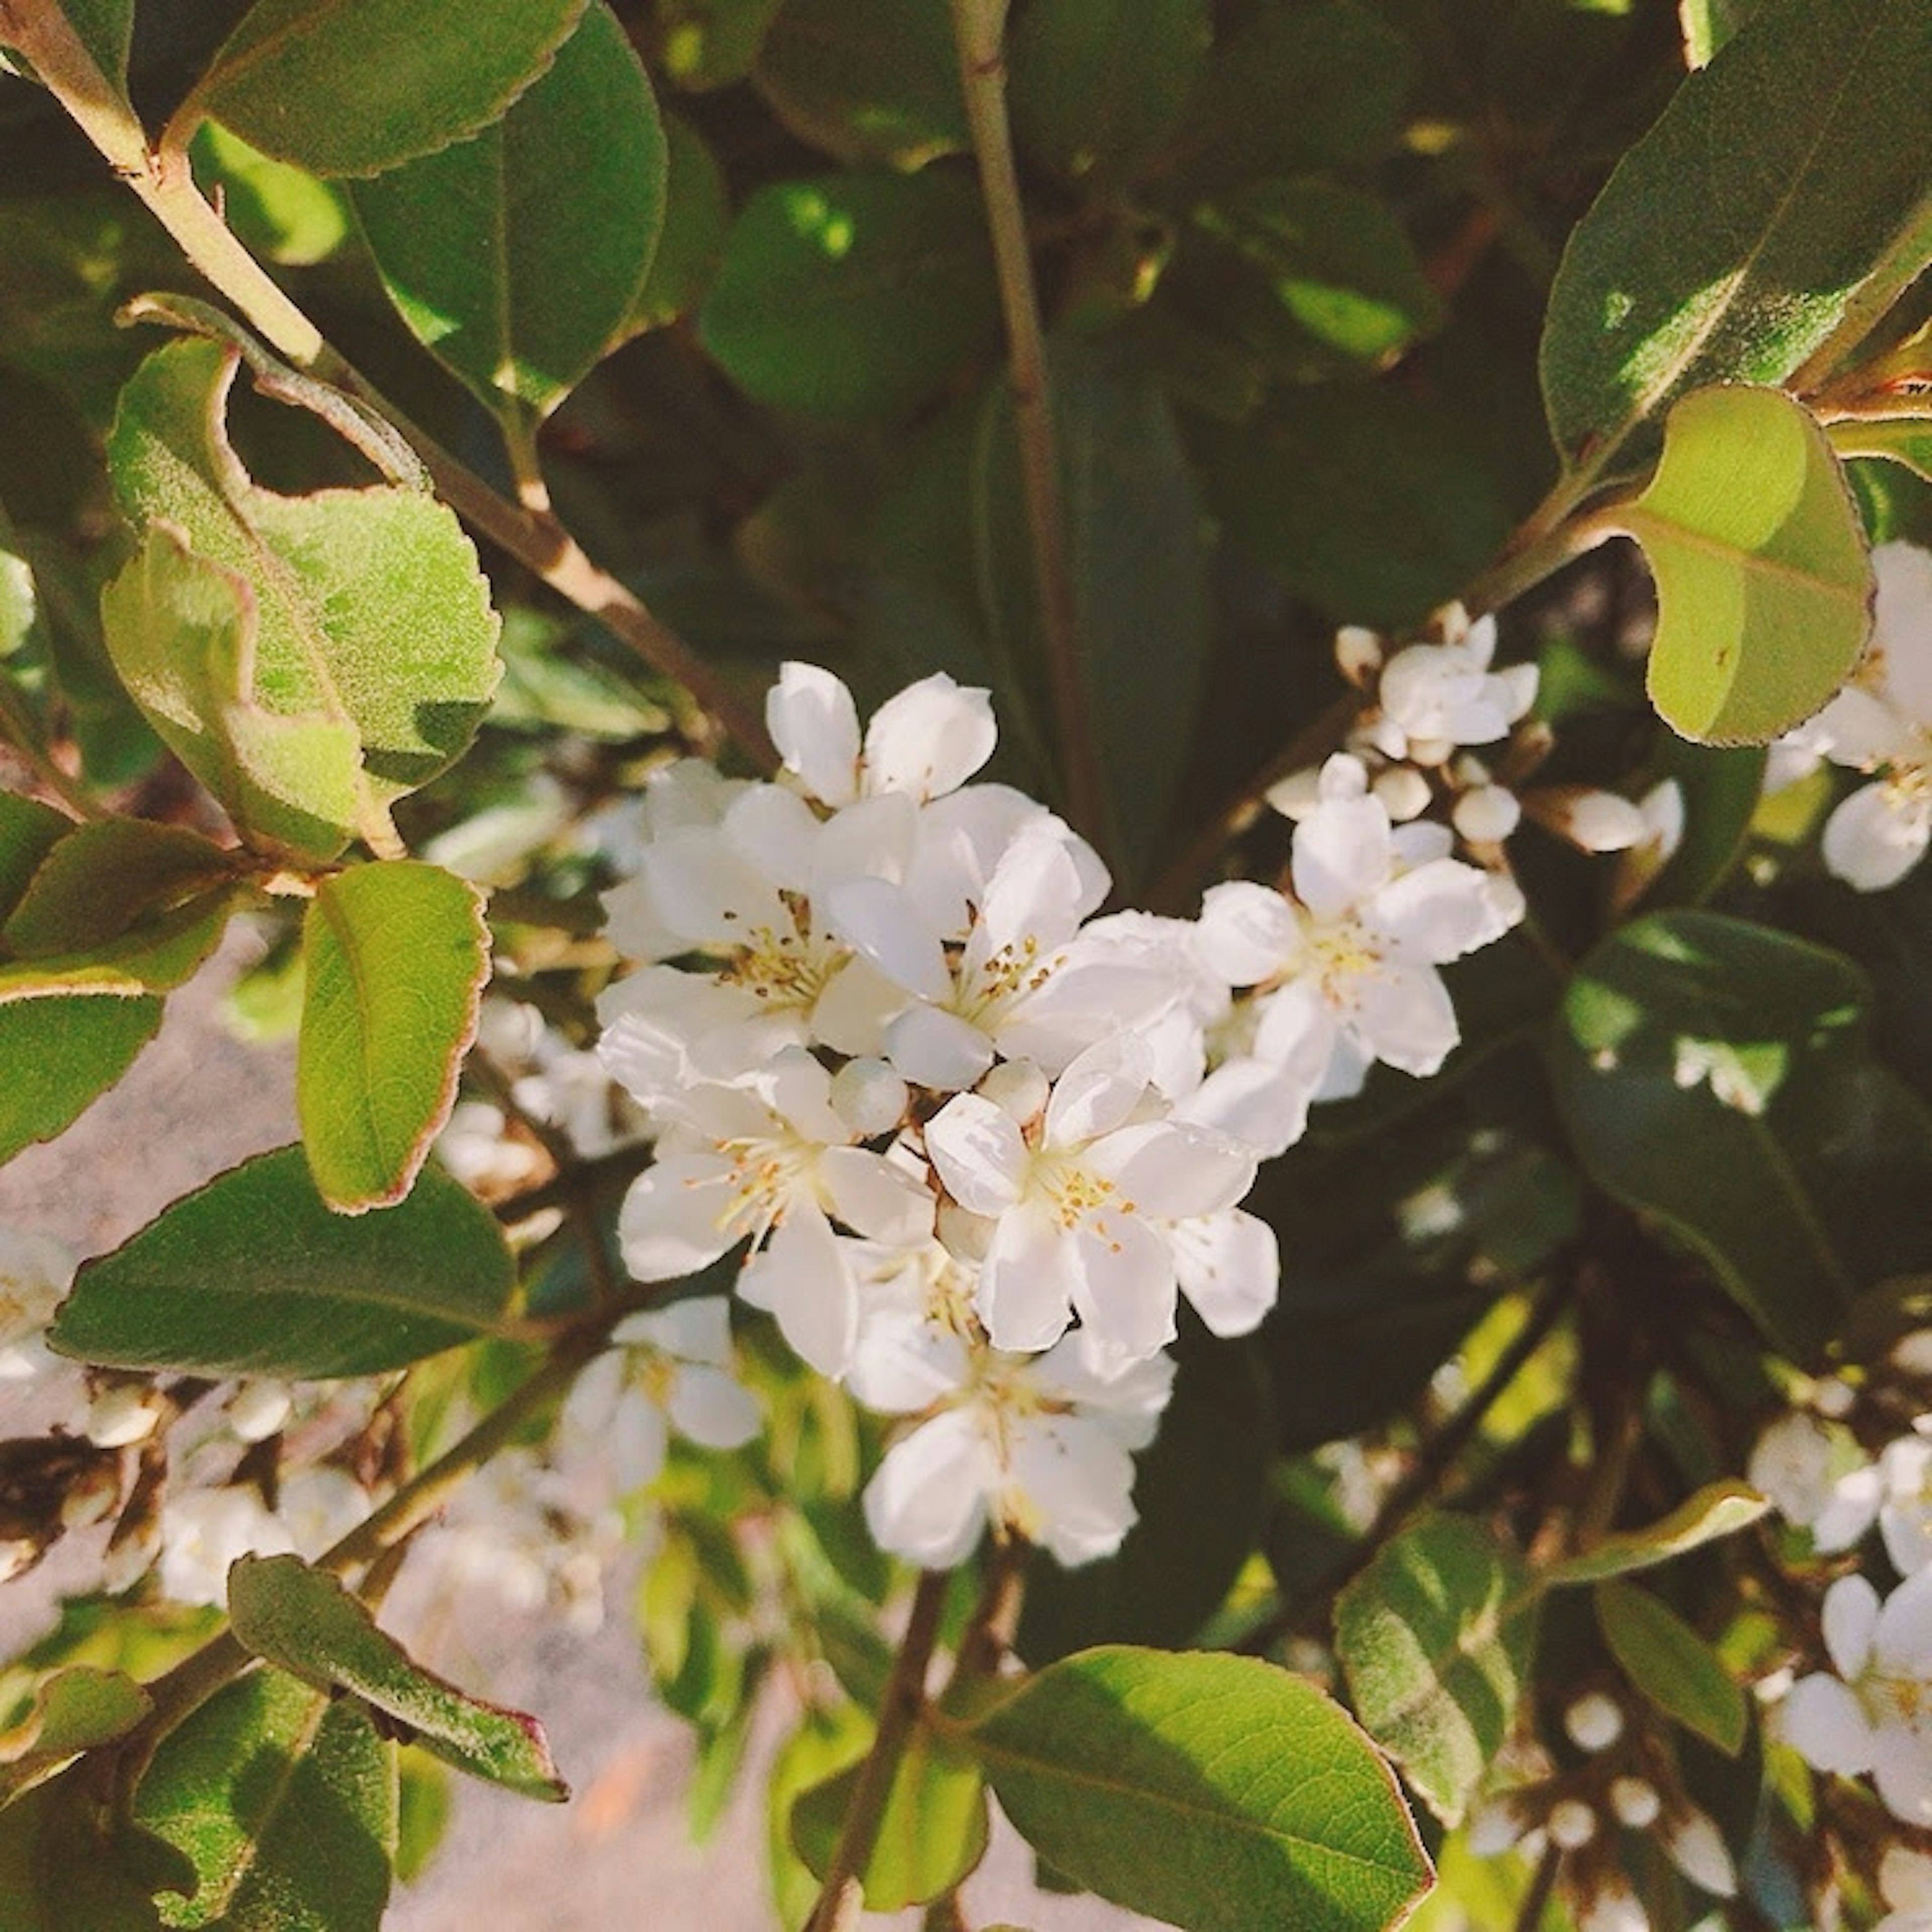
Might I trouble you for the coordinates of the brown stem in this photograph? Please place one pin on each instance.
(979, 31)
(165, 182)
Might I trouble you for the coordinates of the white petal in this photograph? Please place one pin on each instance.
(673, 1220)
(935, 1048)
(902, 1362)
(876, 1197)
(1439, 911)
(707, 893)
(1905, 1878)
(1249, 932)
(1872, 839)
(713, 1410)
(801, 1275)
(1229, 1267)
(1035, 891)
(1100, 1088)
(635, 1438)
(1902, 1642)
(1902, 627)
(1343, 854)
(774, 832)
(1902, 1769)
(1171, 1170)
(814, 724)
(1024, 1290)
(1124, 1290)
(1698, 1850)
(1074, 1486)
(928, 1501)
(1822, 1722)
(876, 838)
(696, 1329)
(1260, 1103)
(980, 1154)
(930, 739)
(1851, 1622)
(1405, 1018)
(881, 923)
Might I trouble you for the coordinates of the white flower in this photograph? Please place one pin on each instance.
(477, 1147)
(671, 1367)
(1038, 1445)
(1347, 968)
(1876, 1715)
(35, 1272)
(205, 1530)
(1905, 1515)
(1696, 1848)
(1905, 1881)
(1434, 698)
(122, 1415)
(1594, 1721)
(256, 1409)
(1083, 1215)
(1817, 1479)
(1882, 723)
(771, 1161)
(926, 742)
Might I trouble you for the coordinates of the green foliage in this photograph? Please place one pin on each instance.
(516, 256)
(64, 1869)
(1209, 1791)
(696, 213)
(1716, 1074)
(303, 1621)
(1731, 240)
(1717, 1510)
(102, 880)
(284, 1800)
(1672, 1665)
(1764, 589)
(69, 1050)
(1437, 1636)
(282, 212)
(853, 296)
(395, 958)
(255, 1274)
(343, 88)
(74, 1711)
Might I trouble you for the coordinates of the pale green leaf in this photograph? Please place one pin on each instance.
(155, 957)
(516, 256)
(1764, 585)
(104, 879)
(19, 602)
(74, 1711)
(395, 955)
(825, 1740)
(284, 1800)
(1217, 1793)
(352, 87)
(1784, 183)
(1717, 1510)
(1671, 1665)
(1437, 1636)
(303, 1621)
(281, 213)
(1905, 440)
(253, 1275)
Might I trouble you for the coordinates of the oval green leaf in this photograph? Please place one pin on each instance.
(352, 87)
(1717, 1510)
(254, 1275)
(104, 879)
(61, 1055)
(75, 1710)
(1764, 585)
(394, 956)
(302, 1620)
(1672, 1666)
(515, 257)
(1217, 1793)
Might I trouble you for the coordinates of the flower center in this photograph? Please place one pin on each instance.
(788, 968)
(1340, 953)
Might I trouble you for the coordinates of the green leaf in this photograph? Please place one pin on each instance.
(303, 1621)
(516, 256)
(1764, 587)
(1717, 1510)
(283, 1799)
(697, 212)
(19, 602)
(62, 1869)
(1716, 1074)
(1707, 26)
(74, 1711)
(29, 830)
(854, 296)
(1784, 183)
(824, 1741)
(106, 28)
(866, 80)
(1905, 440)
(395, 955)
(1136, 533)
(254, 1275)
(707, 44)
(352, 87)
(1303, 84)
(932, 1830)
(1200, 1491)
(1438, 1637)
(60, 1056)
(279, 212)
(1096, 87)
(103, 880)
(1672, 1665)
(1218, 1792)
(1720, 789)
(155, 957)
(372, 621)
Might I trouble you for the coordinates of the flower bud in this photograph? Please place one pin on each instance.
(120, 1416)
(1833, 1397)
(1358, 653)
(1487, 815)
(1697, 1849)
(257, 1409)
(1594, 1721)
(869, 1097)
(1404, 793)
(1017, 1087)
(1912, 1353)
(1635, 1801)
(1591, 820)
(1296, 795)
(1571, 1824)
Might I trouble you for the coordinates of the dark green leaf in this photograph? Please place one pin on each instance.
(29, 832)
(284, 1801)
(303, 1621)
(352, 87)
(1717, 1510)
(1138, 554)
(60, 1055)
(105, 879)
(1720, 789)
(62, 1869)
(1672, 1665)
(394, 957)
(867, 80)
(106, 28)
(254, 1275)
(156, 957)
(1216, 1792)
(697, 211)
(1784, 183)
(516, 256)
(1764, 587)
(1096, 87)
(1199, 1491)
(1437, 1636)
(1716, 1074)
(707, 43)
(853, 296)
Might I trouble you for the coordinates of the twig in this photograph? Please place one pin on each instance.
(979, 30)
(1538, 1897)
(899, 1712)
(165, 182)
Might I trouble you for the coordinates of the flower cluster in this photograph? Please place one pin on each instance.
(975, 1137)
